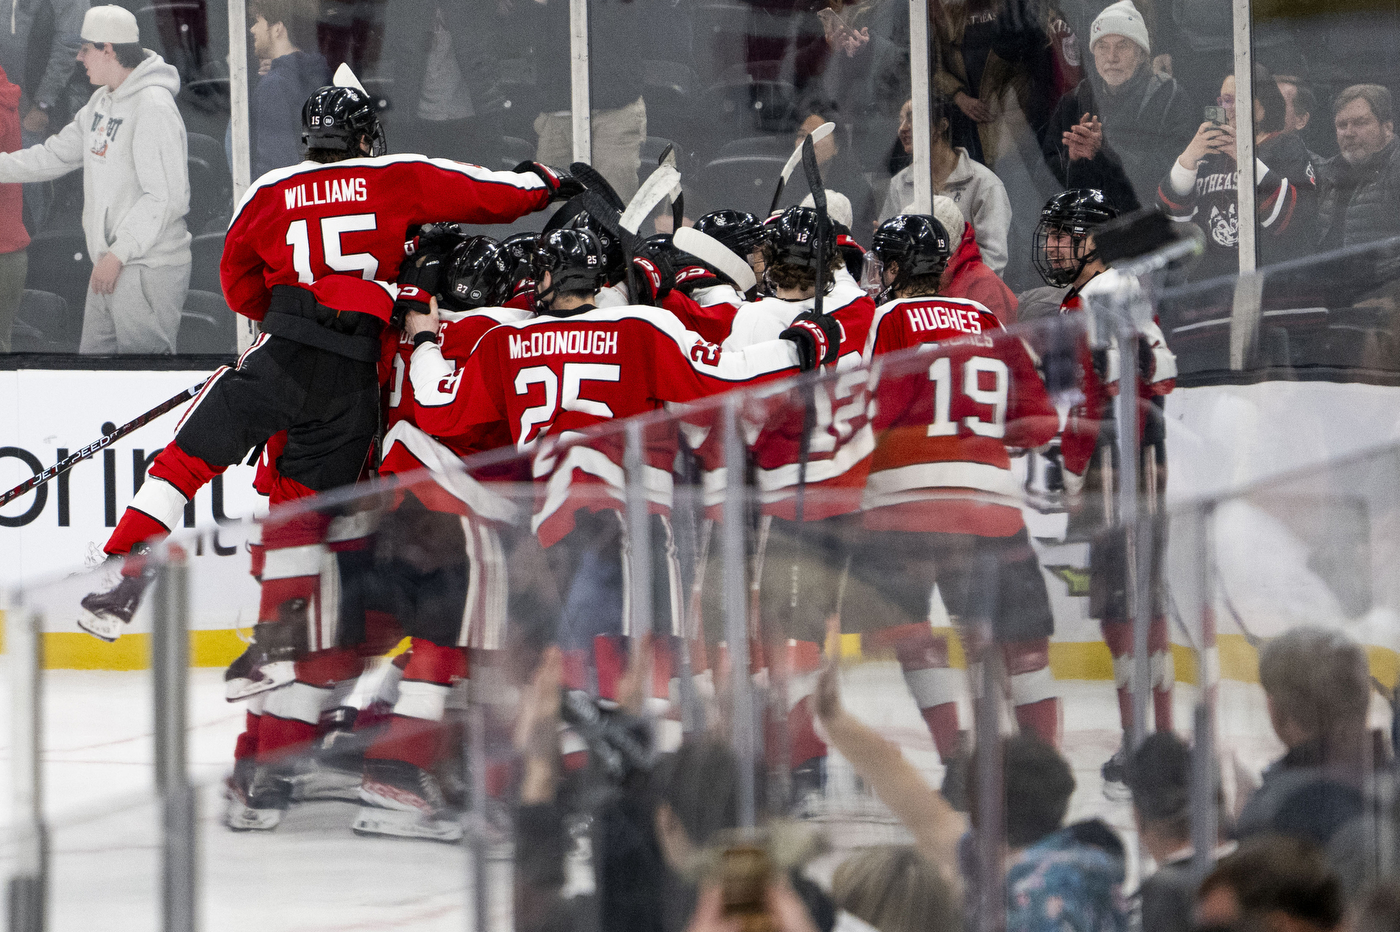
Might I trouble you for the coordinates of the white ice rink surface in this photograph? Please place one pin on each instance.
(313, 874)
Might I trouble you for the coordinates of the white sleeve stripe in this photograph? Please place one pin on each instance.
(1278, 203)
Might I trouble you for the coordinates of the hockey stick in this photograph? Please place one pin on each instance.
(68, 462)
(668, 157)
(607, 217)
(714, 254)
(652, 192)
(593, 180)
(817, 135)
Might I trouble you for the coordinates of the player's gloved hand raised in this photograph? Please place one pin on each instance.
(418, 280)
(655, 277)
(560, 184)
(817, 338)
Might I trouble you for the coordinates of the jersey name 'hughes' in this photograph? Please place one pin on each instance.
(571, 342)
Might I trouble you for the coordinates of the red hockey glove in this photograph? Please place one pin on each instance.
(560, 184)
(817, 338)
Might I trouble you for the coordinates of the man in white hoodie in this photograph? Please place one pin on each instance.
(129, 140)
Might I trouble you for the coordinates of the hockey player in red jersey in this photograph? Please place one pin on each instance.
(810, 455)
(439, 565)
(303, 256)
(941, 504)
(577, 366)
(1065, 254)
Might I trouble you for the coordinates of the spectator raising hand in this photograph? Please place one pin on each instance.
(1084, 140)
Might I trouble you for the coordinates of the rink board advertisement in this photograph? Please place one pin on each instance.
(1218, 437)
(46, 535)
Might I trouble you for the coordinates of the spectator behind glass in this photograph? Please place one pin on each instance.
(1272, 884)
(14, 259)
(1360, 198)
(283, 31)
(840, 171)
(977, 191)
(966, 275)
(129, 140)
(1119, 130)
(1057, 878)
(896, 889)
(1318, 686)
(1201, 186)
(1299, 102)
(1159, 777)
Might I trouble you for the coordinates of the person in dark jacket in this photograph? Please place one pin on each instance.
(1360, 187)
(281, 30)
(1120, 128)
(1201, 186)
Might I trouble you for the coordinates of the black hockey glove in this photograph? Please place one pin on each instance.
(418, 281)
(817, 338)
(434, 238)
(560, 184)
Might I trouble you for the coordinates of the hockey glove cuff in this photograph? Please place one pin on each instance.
(559, 183)
(817, 337)
(655, 279)
(411, 299)
(434, 238)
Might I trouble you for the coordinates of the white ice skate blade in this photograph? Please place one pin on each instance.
(104, 627)
(400, 824)
(243, 818)
(273, 675)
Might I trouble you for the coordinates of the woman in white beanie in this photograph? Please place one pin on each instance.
(1119, 130)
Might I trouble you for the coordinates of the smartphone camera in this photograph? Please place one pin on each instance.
(1217, 115)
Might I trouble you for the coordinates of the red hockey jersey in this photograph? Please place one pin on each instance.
(551, 378)
(945, 417)
(841, 443)
(303, 223)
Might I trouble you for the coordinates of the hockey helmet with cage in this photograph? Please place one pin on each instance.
(917, 242)
(478, 275)
(336, 119)
(740, 231)
(1069, 217)
(574, 261)
(615, 259)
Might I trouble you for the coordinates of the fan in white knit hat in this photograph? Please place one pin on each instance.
(1121, 19)
(946, 212)
(113, 24)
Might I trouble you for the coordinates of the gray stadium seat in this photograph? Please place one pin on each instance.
(206, 325)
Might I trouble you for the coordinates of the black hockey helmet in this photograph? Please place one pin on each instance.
(574, 260)
(740, 231)
(337, 118)
(519, 251)
(615, 259)
(1074, 213)
(918, 242)
(791, 238)
(477, 275)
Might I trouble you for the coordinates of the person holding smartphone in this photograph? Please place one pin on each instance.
(1201, 186)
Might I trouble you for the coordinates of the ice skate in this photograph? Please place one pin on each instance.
(404, 801)
(269, 661)
(105, 613)
(323, 777)
(258, 797)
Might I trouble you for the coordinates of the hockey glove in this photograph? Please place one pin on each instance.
(434, 239)
(654, 278)
(418, 279)
(817, 338)
(560, 184)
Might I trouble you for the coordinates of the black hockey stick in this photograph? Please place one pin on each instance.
(68, 462)
(817, 135)
(609, 219)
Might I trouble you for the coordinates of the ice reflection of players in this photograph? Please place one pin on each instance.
(1065, 254)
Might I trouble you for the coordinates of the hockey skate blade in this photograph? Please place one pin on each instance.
(274, 675)
(402, 824)
(243, 818)
(102, 627)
